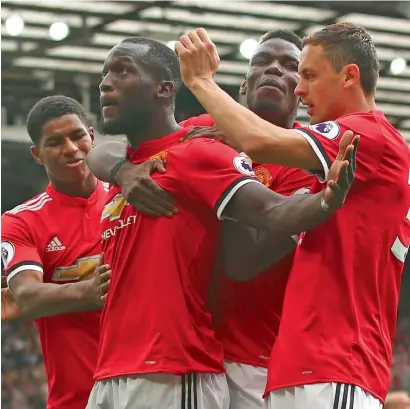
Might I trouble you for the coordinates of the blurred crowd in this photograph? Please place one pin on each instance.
(24, 384)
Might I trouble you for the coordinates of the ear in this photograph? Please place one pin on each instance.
(34, 151)
(243, 88)
(166, 89)
(91, 132)
(351, 75)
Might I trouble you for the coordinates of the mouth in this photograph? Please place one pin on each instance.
(309, 106)
(271, 83)
(75, 163)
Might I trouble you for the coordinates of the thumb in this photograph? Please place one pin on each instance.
(101, 260)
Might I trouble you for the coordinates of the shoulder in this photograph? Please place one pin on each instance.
(200, 120)
(31, 207)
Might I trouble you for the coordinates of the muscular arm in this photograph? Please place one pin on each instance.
(248, 252)
(38, 299)
(261, 140)
(265, 223)
(102, 158)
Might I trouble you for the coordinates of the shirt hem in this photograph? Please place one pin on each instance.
(102, 377)
(323, 380)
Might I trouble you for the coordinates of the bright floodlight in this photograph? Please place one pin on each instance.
(171, 45)
(397, 66)
(14, 25)
(58, 31)
(248, 47)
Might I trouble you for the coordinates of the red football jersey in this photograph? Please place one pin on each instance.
(340, 307)
(250, 311)
(155, 318)
(59, 235)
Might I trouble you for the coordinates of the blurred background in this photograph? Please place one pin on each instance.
(54, 47)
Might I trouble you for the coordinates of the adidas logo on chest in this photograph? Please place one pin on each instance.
(55, 245)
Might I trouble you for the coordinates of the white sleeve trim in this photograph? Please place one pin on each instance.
(316, 149)
(230, 195)
(22, 268)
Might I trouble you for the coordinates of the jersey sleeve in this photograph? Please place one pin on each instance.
(200, 120)
(18, 249)
(292, 181)
(324, 138)
(213, 172)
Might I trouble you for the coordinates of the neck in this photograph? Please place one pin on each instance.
(160, 125)
(81, 189)
(358, 103)
(277, 118)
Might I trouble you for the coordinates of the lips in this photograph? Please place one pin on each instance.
(271, 82)
(74, 163)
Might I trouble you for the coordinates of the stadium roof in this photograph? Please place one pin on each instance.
(33, 63)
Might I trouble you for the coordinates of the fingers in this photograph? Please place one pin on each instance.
(150, 199)
(102, 269)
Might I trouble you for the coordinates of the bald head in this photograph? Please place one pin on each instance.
(397, 400)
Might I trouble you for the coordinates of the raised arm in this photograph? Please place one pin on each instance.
(261, 140)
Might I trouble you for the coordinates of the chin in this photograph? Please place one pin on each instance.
(112, 127)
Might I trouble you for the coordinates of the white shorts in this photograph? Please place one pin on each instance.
(322, 396)
(246, 384)
(161, 391)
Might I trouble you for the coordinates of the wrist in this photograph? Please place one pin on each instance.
(115, 170)
(324, 204)
(198, 84)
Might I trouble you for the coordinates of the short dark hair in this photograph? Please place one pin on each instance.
(50, 108)
(163, 60)
(347, 43)
(286, 35)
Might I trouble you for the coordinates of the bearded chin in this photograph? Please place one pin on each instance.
(126, 123)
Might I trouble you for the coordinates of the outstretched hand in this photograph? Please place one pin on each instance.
(342, 172)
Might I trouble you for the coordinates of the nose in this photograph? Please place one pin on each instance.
(70, 148)
(274, 69)
(300, 89)
(106, 84)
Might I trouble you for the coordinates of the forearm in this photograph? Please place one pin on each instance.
(261, 140)
(46, 299)
(248, 252)
(295, 214)
(102, 158)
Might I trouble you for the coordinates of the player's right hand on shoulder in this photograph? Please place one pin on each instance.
(142, 192)
(211, 132)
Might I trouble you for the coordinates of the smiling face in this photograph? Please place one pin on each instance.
(272, 78)
(127, 89)
(62, 148)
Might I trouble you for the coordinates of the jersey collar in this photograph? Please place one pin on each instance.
(149, 148)
(68, 200)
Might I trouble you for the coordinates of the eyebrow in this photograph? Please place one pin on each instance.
(268, 55)
(58, 135)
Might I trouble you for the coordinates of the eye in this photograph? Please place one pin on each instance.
(292, 66)
(78, 136)
(258, 62)
(123, 71)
